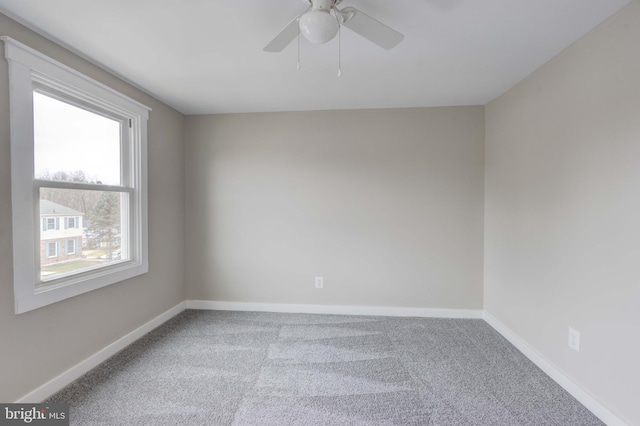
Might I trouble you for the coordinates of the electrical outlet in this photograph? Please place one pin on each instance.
(319, 282)
(574, 339)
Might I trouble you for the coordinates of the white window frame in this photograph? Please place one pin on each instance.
(46, 249)
(75, 247)
(29, 70)
(68, 220)
(45, 225)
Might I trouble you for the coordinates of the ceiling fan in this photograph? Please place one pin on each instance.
(319, 25)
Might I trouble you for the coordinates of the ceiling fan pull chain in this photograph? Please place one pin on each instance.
(339, 48)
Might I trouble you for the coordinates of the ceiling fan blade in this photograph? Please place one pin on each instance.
(369, 28)
(284, 37)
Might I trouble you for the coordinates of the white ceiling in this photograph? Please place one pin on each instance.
(205, 57)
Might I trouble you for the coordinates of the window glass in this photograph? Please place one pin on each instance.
(73, 144)
(49, 223)
(98, 218)
(52, 249)
(71, 247)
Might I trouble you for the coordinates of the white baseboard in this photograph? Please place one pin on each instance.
(58, 383)
(334, 309)
(585, 398)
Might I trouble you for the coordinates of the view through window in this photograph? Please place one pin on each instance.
(78, 162)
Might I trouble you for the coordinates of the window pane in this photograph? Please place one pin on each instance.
(98, 237)
(73, 144)
(52, 249)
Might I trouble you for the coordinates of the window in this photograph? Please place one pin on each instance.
(71, 222)
(50, 223)
(71, 247)
(78, 156)
(52, 249)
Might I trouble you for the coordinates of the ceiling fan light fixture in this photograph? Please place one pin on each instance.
(318, 26)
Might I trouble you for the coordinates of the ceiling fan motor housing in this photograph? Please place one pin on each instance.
(323, 4)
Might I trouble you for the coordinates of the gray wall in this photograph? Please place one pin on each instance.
(386, 205)
(562, 243)
(41, 344)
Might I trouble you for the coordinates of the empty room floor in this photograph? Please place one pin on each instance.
(249, 368)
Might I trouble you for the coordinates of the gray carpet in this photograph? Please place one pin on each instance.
(248, 368)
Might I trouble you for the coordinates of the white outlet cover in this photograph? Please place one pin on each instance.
(319, 282)
(574, 339)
